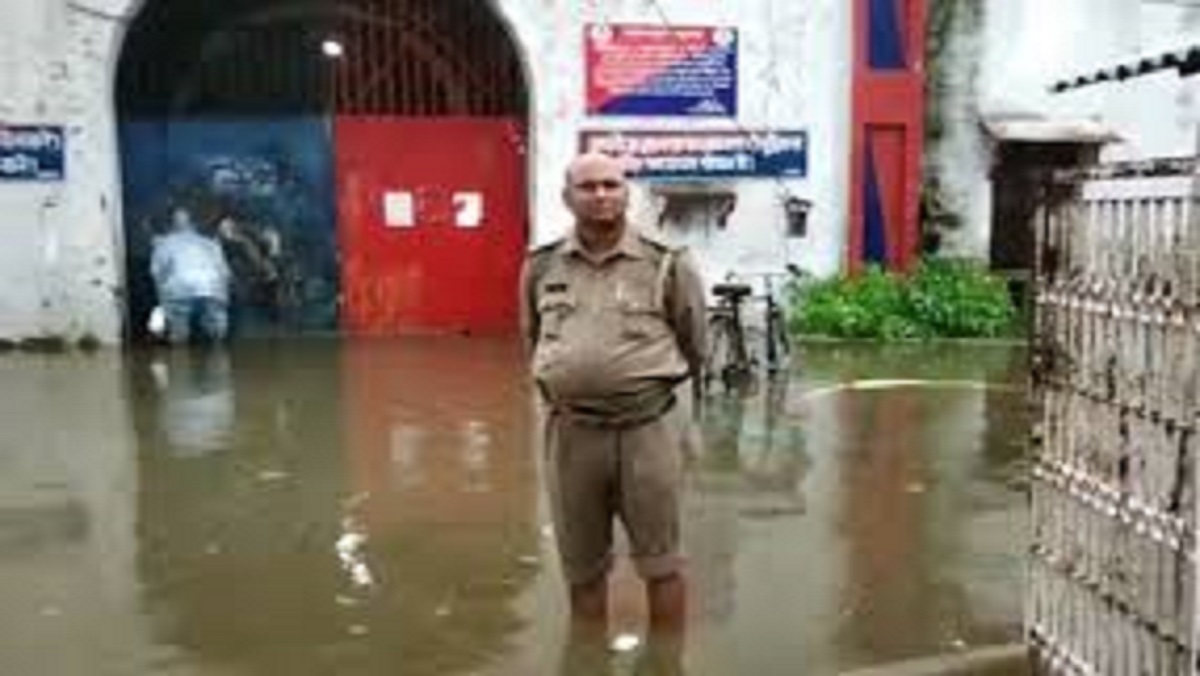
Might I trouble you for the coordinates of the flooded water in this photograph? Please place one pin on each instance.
(323, 507)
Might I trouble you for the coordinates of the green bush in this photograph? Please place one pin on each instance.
(960, 299)
(942, 298)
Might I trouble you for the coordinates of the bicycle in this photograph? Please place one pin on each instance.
(777, 346)
(728, 356)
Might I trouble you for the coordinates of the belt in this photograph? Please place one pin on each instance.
(592, 417)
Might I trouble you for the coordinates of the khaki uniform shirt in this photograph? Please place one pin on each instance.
(606, 332)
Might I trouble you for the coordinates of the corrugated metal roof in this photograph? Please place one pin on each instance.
(1185, 59)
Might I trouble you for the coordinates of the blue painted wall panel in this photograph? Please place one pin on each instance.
(886, 36)
(875, 245)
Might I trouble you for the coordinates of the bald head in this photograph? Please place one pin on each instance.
(592, 162)
(596, 190)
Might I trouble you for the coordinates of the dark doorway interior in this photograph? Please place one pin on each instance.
(1019, 175)
(1019, 178)
(184, 58)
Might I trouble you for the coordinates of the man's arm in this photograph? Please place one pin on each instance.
(527, 303)
(689, 314)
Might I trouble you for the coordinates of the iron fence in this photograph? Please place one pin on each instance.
(1112, 586)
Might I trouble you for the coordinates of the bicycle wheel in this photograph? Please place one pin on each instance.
(778, 347)
(785, 341)
(718, 349)
(738, 372)
(727, 357)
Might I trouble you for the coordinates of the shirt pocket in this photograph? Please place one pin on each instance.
(641, 318)
(554, 309)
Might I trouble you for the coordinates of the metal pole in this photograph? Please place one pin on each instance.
(1192, 238)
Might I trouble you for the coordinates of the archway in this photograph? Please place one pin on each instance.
(361, 162)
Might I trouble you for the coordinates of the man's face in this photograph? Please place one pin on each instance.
(596, 191)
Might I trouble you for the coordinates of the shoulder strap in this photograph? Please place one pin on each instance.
(669, 252)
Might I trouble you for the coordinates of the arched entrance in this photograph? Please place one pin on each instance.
(361, 162)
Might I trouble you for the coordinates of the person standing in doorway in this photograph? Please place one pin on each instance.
(614, 322)
(192, 279)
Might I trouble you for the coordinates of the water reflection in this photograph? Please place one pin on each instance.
(859, 526)
(885, 463)
(373, 508)
(235, 547)
(753, 453)
(438, 437)
(66, 513)
(28, 531)
(587, 652)
(916, 459)
(196, 400)
(373, 511)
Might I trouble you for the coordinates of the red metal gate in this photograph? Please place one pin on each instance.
(432, 223)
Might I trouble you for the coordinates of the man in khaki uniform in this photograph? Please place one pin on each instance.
(614, 319)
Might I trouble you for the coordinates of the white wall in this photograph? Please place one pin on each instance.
(1027, 45)
(961, 157)
(794, 72)
(60, 251)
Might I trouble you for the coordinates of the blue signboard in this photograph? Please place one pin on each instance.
(32, 153)
(705, 154)
(661, 70)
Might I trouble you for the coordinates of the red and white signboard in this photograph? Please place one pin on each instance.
(661, 70)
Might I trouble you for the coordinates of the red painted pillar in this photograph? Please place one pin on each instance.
(888, 133)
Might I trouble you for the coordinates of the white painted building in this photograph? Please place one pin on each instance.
(61, 257)
(1000, 67)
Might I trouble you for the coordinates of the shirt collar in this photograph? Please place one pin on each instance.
(630, 245)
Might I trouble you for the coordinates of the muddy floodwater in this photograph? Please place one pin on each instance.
(376, 507)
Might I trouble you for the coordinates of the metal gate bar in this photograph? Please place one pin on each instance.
(264, 57)
(426, 57)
